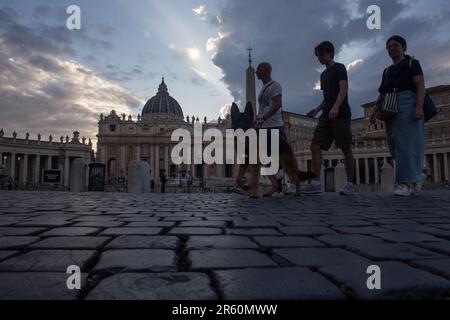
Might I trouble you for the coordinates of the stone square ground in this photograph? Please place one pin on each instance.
(223, 246)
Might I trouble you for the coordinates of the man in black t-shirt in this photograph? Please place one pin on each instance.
(335, 121)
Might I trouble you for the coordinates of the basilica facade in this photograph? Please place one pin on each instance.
(122, 139)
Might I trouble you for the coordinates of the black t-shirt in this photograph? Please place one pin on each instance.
(329, 84)
(400, 76)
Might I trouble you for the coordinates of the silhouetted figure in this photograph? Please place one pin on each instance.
(152, 186)
(163, 178)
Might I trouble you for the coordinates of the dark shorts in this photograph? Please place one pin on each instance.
(337, 130)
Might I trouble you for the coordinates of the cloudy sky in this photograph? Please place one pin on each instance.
(55, 80)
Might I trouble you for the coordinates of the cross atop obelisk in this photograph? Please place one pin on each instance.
(250, 55)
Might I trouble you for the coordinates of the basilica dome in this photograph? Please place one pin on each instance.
(162, 103)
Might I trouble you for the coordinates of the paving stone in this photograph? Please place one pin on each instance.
(37, 286)
(253, 231)
(161, 286)
(343, 240)
(220, 242)
(438, 266)
(143, 242)
(99, 224)
(362, 230)
(288, 241)
(194, 231)
(6, 254)
(314, 257)
(203, 223)
(255, 224)
(441, 247)
(306, 231)
(76, 242)
(228, 258)
(291, 283)
(18, 231)
(13, 242)
(72, 231)
(129, 260)
(44, 223)
(393, 251)
(130, 231)
(412, 237)
(161, 224)
(49, 260)
(398, 281)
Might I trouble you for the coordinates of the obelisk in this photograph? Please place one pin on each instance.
(250, 83)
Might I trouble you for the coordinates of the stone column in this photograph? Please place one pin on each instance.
(1, 158)
(13, 165)
(367, 172)
(138, 152)
(436, 178)
(192, 162)
(358, 176)
(376, 169)
(166, 159)
(152, 160)
(123, 160)
(49, 162)
(340, 177)
(157, 161)
(66, 171)
(387, 178)
(25, 169)
(38, 168)
(446, 173)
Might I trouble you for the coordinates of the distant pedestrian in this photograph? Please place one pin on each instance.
(189, 181)
(163, 178)
(152, 186)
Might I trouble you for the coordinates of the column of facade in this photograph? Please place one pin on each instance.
(435, 168)
(358, 175)
(138, 152)
(49, 162)
(166, 158)
(366, 168)
(13, 165)
(152, 160)
(376, 169)
(37, 168)
(67, 171)
(25, 169)
(446, 173)
(123, 161)
(192, 161)
(1, 158)
(157, 161)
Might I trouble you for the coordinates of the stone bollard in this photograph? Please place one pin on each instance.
(78, 176)
(138, 177)
(322, 177)
(387, 178)
(340, 177)
(134, 183)
(145, 176)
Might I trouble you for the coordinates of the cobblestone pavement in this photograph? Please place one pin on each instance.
(223, 246)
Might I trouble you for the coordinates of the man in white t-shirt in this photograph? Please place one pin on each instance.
(269, 100)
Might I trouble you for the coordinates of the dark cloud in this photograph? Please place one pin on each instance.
(43, 91)
(285, 33)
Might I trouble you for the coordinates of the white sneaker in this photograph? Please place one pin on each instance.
(403, 190)
(347, 189)
(312, 188)
(418, 185)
